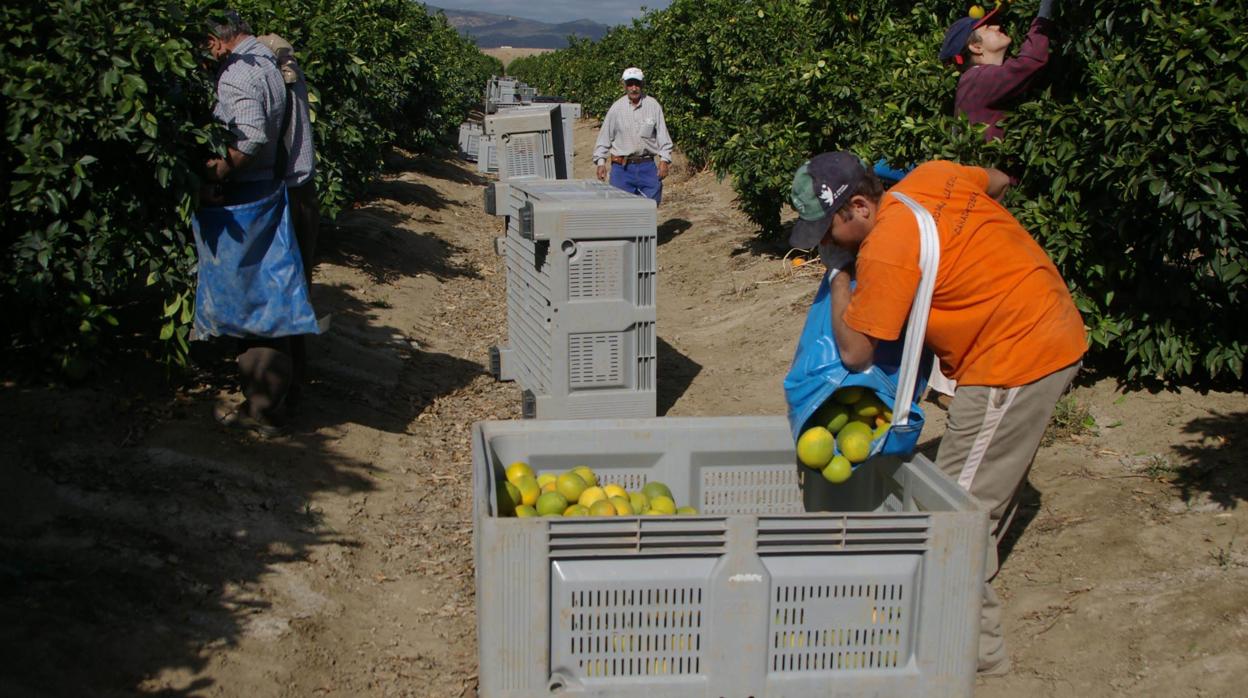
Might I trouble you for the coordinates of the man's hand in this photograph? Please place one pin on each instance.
(602, 172)
(998, 182)
(663, 167)
(217, 169)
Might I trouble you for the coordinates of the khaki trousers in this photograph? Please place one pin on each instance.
(988, 448)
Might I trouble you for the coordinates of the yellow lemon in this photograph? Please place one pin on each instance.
(686, 511)
(525, 511)
(881, 428)
(570, 485)
(549, 487)
(639, 501)
(529, 489)
(622, 505)
(551, 504)
(517, 470)
(976, 12)
(614, 491)
(835, 417)
(591, 495)
(838, 470)
(508, 498)
(848, 396)
(662, 505)
(587, 475)
(855, 445)
(656, 489)
(602, 507)
(576, 510)
(868, 407)
(545, 478)
(815, 447)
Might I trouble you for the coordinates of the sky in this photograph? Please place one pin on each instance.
(555, 11)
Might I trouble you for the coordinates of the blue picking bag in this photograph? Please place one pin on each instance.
(899, 371)
(251, 281)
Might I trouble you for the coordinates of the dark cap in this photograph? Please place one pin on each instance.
(960, 31)
(821, 186)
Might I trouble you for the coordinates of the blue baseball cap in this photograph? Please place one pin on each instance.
(960, 31)
(821, 186)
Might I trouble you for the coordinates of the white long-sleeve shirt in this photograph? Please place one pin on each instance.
(631, 130)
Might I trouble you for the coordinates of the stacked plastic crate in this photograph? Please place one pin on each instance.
(470, 133)
(532, 142)
(785, 585)
(580, 259)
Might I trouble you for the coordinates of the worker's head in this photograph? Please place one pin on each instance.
(634, 82)
(836, 199)
(975, 41)
(224, 32)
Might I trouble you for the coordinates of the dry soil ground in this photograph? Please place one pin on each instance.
(145, 551)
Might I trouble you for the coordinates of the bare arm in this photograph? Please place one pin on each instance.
(998, 182)
(857, 349)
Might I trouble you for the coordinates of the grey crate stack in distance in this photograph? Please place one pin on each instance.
(878, 596)
(487, 155)
(470, 133)
(532, 142)
(580, 259)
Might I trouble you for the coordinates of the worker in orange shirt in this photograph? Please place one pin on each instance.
(1002, 322)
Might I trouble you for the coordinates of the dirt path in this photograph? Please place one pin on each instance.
(145, 551)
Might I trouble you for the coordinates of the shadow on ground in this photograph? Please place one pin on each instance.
(1216, 465)
(671, 228)
(135, 530)
(676, 374)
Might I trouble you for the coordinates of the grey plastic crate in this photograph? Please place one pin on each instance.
(533, 142)
(580, 260)
(470, 133)
(878, 596)
(487, 155)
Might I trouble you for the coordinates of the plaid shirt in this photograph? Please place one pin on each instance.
(299, 136)
(631, 130)
(985, 92)
(251, 101)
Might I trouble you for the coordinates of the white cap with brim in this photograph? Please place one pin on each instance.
(633, 74)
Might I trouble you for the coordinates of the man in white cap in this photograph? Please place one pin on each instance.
(633, 134)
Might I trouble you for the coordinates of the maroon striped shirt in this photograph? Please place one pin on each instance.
(985, 91)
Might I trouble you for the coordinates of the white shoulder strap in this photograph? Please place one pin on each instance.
(916, 329)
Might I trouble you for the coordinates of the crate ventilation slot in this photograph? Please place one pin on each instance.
(799, 643)
(636, 632)
(596, 272)
(583, 538)
(523, 155)
(860, 533)
(750, 491)
(595, 360)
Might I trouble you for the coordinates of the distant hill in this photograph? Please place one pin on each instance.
(494, 31)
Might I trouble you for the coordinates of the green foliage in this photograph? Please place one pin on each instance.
(107, 121)
(1131, 145)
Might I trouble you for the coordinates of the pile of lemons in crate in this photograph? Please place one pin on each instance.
(842, 432)
(577, 493)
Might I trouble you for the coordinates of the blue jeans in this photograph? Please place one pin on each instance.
(638, 178)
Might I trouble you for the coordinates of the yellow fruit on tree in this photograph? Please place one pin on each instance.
(614, 491)
(662, 505)
(551, 504)
(571, 486)
(854, 444)
(524, 511)
(976, 12)
(838, 470)
(517, 470)
(656, 489)
(815, 447)
(545, 478)
(590, 496)
(529, 489)
(622, 505)
(587, 475)
(602, 507)
(849, 395)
